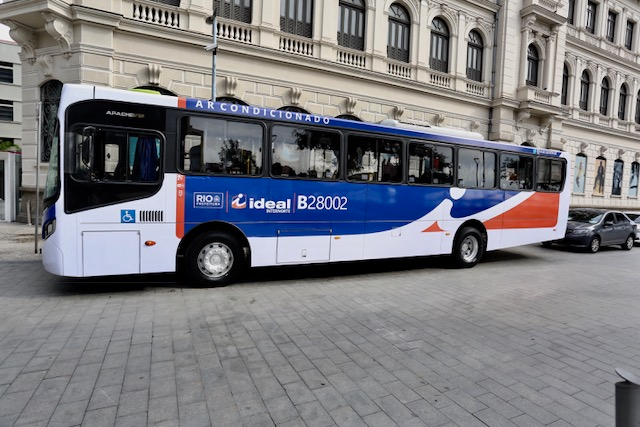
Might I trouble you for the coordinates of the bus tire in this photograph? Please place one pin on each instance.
(214, 259)
(468, 248)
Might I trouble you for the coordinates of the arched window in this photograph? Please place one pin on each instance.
(622, 105)
(585, 82)
(638, 107)
(598, 182)
(633, 179)
(349, 117)
(160, 90)
(565, 85)
(50, 98)
(579, 173)
(533, 62)
(439, 45)
(475, 48)
(230, 100)
(616, 186)
(604, 97)
(238, 10)
(398, 38)
(351, 24)
(293, 109)
(295, 17)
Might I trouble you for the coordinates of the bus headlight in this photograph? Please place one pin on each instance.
(48, 228)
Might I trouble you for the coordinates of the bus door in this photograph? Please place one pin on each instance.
(315, 216)
(113, 189)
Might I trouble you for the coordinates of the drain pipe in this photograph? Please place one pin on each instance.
(496, 20)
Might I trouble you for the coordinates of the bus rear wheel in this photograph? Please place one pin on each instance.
(468, 248)
(214, 259)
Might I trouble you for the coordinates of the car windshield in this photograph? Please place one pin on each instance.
(589, 217)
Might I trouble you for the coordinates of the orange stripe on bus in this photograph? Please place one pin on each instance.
(180, 198)
(538, 211)
(182, 102)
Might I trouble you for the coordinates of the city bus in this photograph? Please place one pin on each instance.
(148, 183)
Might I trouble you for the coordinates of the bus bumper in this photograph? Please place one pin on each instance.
(52, 259)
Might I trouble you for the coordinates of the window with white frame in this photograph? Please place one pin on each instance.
(296, 17)
(351, 27)
(533, 63)
(475, 48)
(439, 45)
(604, 96)
(398, 37)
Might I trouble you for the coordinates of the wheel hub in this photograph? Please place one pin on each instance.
(215, 260)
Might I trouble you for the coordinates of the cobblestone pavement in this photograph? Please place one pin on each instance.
(529, 337)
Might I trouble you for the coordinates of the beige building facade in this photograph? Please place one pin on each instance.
(546, 73)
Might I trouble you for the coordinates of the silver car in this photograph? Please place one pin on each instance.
(593, 228)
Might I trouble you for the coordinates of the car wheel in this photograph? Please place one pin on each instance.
(214, 259)
(594, 245)
(628, 244)
(468, 248)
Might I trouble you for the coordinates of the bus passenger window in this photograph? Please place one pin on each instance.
(374, 159)
(551, 174)
(476, 169)
(304, 153)
(429, 164)
(516, 172)
(221, 147)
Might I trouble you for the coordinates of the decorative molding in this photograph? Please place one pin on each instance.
(296, 92)
(583, 146)
(521, 116)
(545, 123)
(621, 152)
(530, 136)
(398, 112)
(440, 118)
(46, 63)
(154, 74)
(351, 105)
(60, 29)
(230, 85)
(474, 125)
(25, 37)
(602, 149)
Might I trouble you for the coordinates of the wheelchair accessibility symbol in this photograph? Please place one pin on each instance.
(127, 216)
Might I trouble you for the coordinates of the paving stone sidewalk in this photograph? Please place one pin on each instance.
(530, 337)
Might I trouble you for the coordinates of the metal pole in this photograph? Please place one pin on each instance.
(213, 21)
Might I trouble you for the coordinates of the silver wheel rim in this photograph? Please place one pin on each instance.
(595, 245)
(215, 260)
(629, 242)
(469, 248)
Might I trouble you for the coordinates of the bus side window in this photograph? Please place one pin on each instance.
(306, 153)
(550, 175)
(221, 147)
(373, 159)
(476, 168)
(516, 172)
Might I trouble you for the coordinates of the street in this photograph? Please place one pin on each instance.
(529, 337)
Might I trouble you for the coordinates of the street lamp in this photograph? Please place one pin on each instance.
(213, 48)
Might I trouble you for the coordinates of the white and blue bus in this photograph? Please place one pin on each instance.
(145, 183)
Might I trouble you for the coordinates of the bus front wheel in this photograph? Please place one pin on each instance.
(468, 248)
(214, 259)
